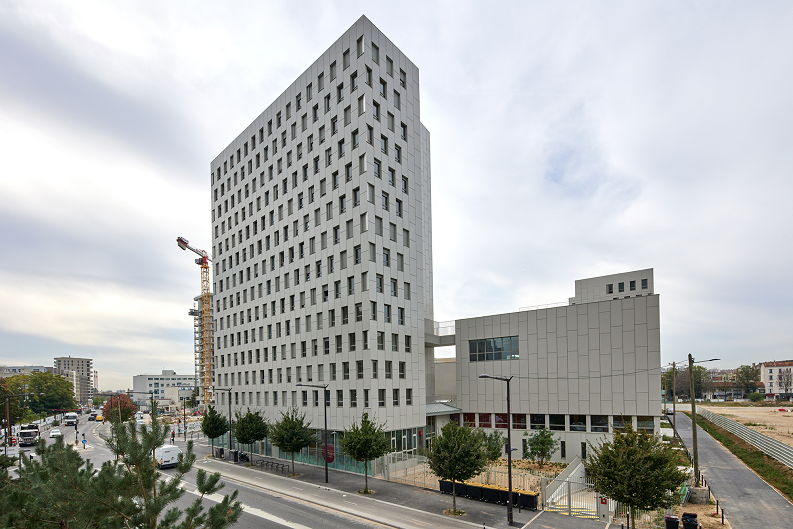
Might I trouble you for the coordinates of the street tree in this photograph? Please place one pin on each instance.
(635, 469)
(47, 391)
(365, 442)
(457, 455)
(97, 401)
(119, 407)
(494, 444)
(213, 425)
(292, 433)
(540, 446)
(60, 489)
(746, 378)
(15, 407)
(250, 428)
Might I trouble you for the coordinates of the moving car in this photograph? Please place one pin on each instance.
(99, 418)
(167, 456)
(55, 433)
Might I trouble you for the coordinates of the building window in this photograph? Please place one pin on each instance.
(506, 348)
(578, 423)
(557, 423)
(519, 421)
(484, 420)
(609, 289)
(599, 423)
(502, 420)
(469, 420)
(621, 423)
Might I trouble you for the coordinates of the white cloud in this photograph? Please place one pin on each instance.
(569, 140)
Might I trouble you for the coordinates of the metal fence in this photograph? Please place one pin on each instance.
(644, 519)
(768, 445)
(411, 468)
(574, 497)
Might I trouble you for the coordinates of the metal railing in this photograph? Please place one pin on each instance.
(546, 306)
(443, 328)
(768, 445)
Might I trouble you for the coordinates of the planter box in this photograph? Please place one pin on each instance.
(490, 494)
(446, 486)
(503, 497)
(528, 500)
(461, 489)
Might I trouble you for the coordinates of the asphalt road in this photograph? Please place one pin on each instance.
(261, 508)
(748, 501)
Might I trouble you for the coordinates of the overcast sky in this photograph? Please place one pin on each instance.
(569, 140)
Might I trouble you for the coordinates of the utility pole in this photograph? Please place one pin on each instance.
(674, 399)
(693, 417)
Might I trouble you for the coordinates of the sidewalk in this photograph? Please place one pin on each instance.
(748, 501)
(392, 504)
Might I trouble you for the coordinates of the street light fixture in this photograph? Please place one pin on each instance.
(325, 434)
(509, 447)
(230, 421)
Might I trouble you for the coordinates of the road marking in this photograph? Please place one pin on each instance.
(351, 503)
(535, 517)
(217, 498)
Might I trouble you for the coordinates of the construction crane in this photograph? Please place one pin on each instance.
(205, 360)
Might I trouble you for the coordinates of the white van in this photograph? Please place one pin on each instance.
(139, 416)
(167, 456)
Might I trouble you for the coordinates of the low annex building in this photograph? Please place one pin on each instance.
(582, 369)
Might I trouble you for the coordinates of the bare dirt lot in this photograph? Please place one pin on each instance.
(704, 515)
(767, 421)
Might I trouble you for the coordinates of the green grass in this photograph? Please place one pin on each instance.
(767, 467)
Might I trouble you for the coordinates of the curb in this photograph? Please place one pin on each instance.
(337, 507)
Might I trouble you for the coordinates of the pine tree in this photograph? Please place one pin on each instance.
(60, 489)
(457, 455)
(635, 469)
(365, 443)
(292, 433)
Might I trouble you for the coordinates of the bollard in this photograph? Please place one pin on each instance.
(717, 506)
(722, 517)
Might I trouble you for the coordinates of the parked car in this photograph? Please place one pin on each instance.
(55, 433)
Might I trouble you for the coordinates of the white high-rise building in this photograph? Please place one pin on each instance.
(82, 380)
(322, 250)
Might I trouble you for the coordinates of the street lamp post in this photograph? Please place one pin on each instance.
(325, 434)
(509, 447)
(694, 412)
(230, 421)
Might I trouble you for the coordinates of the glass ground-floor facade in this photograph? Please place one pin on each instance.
(401, 440)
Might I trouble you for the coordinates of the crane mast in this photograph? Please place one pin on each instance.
(205, 360)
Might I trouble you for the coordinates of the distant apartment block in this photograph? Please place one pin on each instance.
(83, 368)
(776, 378)
(168, 387)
